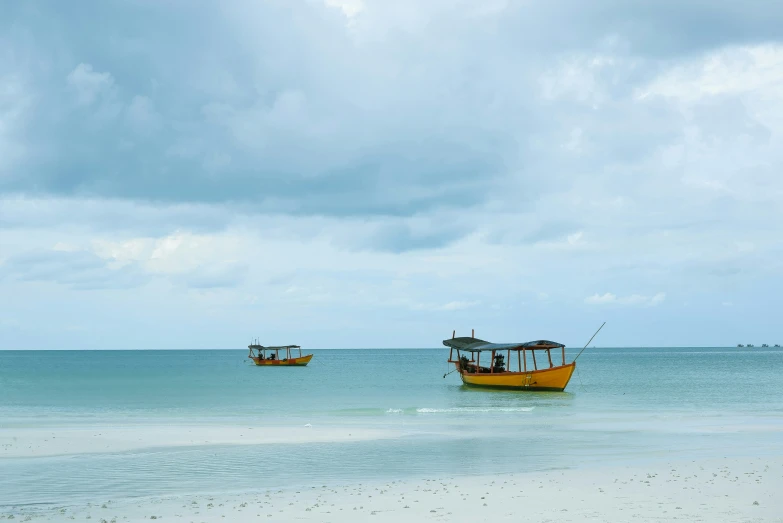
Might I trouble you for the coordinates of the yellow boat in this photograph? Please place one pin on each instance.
(500, 359)
(270, 356)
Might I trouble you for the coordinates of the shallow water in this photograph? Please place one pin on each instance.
(623, 405)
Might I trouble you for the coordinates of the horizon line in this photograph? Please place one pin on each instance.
(398, 348)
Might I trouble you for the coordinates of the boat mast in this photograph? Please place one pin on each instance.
(588, 341)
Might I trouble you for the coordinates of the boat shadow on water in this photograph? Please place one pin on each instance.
(513, 392)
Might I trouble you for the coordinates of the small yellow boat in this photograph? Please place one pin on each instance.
(270, 356)
(500, 360)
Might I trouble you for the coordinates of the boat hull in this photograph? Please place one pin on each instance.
(554, 379)
(293, 362)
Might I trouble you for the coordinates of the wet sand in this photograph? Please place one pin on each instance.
(51, 441)
(713, 490)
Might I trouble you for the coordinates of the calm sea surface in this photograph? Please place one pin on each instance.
(622, 406)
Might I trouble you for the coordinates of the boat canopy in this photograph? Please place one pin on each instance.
(278, 347)
(469, 344)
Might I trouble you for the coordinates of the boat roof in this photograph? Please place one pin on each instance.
(476, 345)
(273, 347)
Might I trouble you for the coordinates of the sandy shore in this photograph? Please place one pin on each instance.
(716, 490)
(51, 441)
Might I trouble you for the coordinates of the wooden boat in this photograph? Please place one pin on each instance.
(270, 356)
(501, 358)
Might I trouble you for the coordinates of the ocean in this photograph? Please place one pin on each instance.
(173, 422)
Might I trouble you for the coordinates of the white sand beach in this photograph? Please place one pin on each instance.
(715, 490)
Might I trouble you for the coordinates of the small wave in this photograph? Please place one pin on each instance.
(475, 409)
(394, 411)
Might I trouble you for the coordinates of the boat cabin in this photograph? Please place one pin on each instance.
(504, 357)
(274, 353)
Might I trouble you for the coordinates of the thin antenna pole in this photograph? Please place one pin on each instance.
(591, 339)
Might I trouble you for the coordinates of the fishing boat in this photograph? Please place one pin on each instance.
(507, 365)
(270, 356)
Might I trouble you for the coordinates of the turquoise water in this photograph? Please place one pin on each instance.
(623, 405)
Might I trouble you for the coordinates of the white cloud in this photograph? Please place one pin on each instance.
(295, 268)
(205, 257)
(633, 299)
(576, 142)
(65, 247)
(440, 307)
(597, 299)
(405, 160)
(458, 305)
(89, 85)
(740, 70)
(579, 78)
(15, 102)
(142, 115)
(76, 269)
(350, 8)
(575, 239)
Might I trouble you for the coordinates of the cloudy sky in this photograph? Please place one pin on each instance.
(375, 173)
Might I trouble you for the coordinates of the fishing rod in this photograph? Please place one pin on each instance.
(588, 341)
(455, 370)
